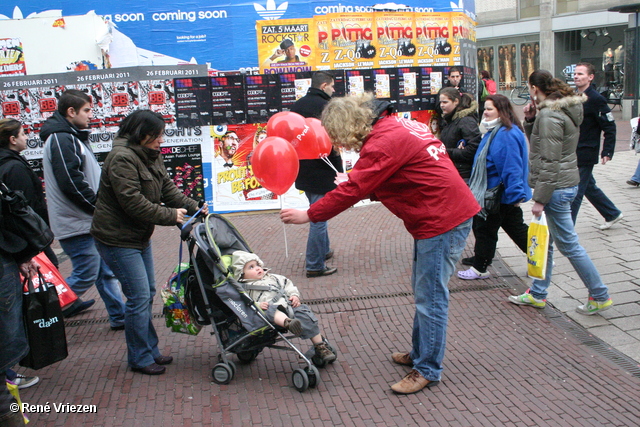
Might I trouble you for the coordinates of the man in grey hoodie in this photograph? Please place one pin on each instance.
(72, 175)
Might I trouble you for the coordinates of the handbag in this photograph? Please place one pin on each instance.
(44, 326)
(492, 199)
(25, 233)
(538, 247)
(175, 309)
(52, 277)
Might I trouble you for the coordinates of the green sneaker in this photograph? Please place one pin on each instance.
(593, 306)
(527, 299)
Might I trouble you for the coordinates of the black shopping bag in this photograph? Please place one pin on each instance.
(44, 325)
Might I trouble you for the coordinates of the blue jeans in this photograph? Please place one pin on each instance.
(89, 268)
(12, 332)
(318, 245)
(598, 199)
(636, 174)
(434, 261)
(134, 270)
(561, 231)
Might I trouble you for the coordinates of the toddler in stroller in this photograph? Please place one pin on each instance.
(280, 300)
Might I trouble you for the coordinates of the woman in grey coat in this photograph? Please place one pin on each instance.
(552, 123)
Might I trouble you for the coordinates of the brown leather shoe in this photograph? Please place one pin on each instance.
(326, 272)
(329, 255)
(412, 383)
(163, 360)
(402, 358)
(153, 369)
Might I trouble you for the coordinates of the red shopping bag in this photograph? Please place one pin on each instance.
(53, 276)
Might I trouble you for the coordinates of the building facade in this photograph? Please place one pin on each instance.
(515, 37)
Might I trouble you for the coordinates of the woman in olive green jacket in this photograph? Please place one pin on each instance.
(135, 194)
(552, 123)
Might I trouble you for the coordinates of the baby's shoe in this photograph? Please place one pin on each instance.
(294, 326)
(323, 352)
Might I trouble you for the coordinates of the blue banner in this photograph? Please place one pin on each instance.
(217, 32)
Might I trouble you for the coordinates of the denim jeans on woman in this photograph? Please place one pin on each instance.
(562, 233)
(434, 260)
(134, 270)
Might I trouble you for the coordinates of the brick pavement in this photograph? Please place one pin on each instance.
(505, 365)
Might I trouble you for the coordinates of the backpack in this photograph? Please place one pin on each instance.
(491, 86)
(485, 92)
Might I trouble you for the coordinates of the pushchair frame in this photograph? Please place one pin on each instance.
(245, 346)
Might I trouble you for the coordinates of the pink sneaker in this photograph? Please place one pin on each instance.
(473, 274)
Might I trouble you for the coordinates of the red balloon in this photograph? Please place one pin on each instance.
(275, 164)
(321, 144)
(286, 125)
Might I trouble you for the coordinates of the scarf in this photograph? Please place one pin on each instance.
(489, 125)
(478, 180)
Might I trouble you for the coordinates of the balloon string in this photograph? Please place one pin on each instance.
(284, 230)
(328, 162)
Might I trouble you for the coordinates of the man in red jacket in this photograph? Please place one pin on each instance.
(406, 168)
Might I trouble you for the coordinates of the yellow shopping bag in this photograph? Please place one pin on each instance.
(538, 247)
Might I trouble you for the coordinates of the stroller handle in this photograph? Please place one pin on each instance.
(185, 229)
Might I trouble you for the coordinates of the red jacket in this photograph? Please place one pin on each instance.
(405, 167)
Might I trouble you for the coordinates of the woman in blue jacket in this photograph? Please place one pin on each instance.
(507, 163)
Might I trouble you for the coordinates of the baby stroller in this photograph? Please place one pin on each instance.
(215, 298)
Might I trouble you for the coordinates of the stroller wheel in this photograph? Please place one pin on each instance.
(222, 373)
(247, 357)
(314, 376)
(300, 380)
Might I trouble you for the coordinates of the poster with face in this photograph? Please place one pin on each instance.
(286, 45)
(485, 60)
(507, 66)
(234, 186)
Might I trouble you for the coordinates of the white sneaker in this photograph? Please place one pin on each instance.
(607, 225)
(25, 382)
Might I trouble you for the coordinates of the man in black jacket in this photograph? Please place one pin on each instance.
(315, 177)
(597, 119)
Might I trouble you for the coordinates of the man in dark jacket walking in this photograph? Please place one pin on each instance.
(597, 119)
(72, 176)
(315, 177)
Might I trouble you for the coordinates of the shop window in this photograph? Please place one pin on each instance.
(529, 9)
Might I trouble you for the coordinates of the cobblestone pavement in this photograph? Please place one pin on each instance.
(505, 365)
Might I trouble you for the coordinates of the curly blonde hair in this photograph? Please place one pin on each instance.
(348, 120)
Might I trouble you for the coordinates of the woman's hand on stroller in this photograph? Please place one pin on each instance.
(295, 301)
(180, 213)
(264, 305)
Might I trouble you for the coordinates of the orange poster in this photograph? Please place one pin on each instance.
(352, 43)
(395, 39)
(463, 28)
(286, 45)
(323, 61)
(434, 39)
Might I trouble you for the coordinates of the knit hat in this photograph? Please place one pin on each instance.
(285, 44)
(239, 259)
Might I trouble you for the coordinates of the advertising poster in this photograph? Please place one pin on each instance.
(529, 60)
(352, 41)
(409, 98)
(507, 66)
(293, 86)
(463, 30)
(286, 45)
(485, 60)
(395, 32)
(387, 84)
(434, 38)
(262, 97)
(430, 83)
(227, 96)
(323, 60)
(234, 186)
(193, 102)
(12, 57)
(159, 97)
(360, 81)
